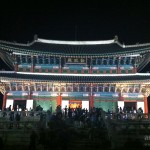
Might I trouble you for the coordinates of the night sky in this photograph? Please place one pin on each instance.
(95, 20)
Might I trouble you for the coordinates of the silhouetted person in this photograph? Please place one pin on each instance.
(9, 108)
(65, 111)
(17, 119)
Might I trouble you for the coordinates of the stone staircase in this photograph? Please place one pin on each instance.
(84, 144)
(19, 140)
(128, 131)
(15, 139)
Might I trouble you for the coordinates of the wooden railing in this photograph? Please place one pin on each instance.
(127, 116)
(38, 119)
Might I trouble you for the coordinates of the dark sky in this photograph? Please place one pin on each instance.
(95, 20)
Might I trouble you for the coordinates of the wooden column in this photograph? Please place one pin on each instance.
(16, 64)
(60, 66)
(90, 68)
(30, 92)
(4, 100)
(120, 98)
(118, 70)
(59, 100)
(91, 101)
(135, 65)
(118, 66)
(135, 69)
(91, 97)
(16, 67)
(145, 105)
(32, 64)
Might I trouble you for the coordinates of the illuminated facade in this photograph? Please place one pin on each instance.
(75, 73)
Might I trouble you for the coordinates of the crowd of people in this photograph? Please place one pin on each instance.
(125, 113)
(78, 116)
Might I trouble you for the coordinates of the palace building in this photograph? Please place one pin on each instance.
(75, 73)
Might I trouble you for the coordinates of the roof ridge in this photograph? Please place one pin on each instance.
(75, 42)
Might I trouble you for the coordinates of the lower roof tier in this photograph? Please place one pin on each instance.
(6, 76)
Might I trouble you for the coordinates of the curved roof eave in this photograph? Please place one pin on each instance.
(124, 49)
(75, 78)
(35, 52)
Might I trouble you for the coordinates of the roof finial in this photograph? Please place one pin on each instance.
(35, 37)
(123, 45)
(116, 38)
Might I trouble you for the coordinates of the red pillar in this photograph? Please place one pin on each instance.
(145, 105)
(59, 100)
(91, 101)
(118, 70)
(30, 95)
(135, 70)
(16, 67)
(32, 68)
(32, 64)
(91, 70)
(4, 100)
(120, 97)
(60, 70)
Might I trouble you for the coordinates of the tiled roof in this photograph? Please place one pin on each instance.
(74, 78)
(75, 48)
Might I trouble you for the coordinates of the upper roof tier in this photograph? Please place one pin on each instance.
(75, 48)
